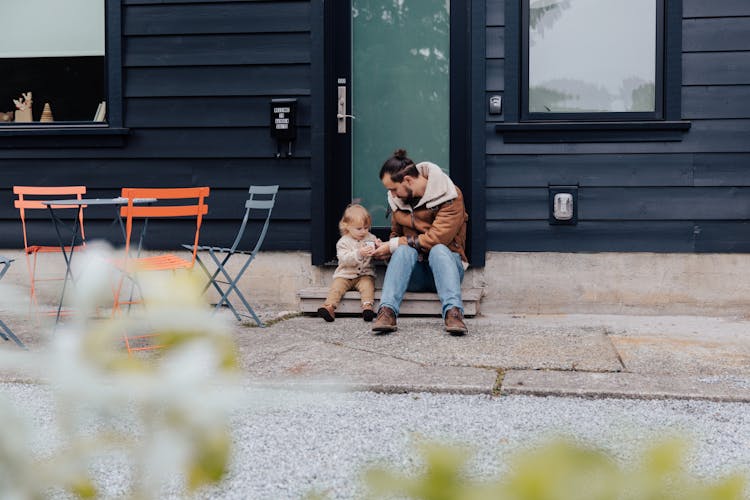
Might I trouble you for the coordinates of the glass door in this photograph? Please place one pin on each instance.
(399, 78)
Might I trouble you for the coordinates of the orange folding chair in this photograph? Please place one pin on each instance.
(169, 203)
(30, 198)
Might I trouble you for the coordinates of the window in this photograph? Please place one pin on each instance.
(52, 61)
(593, 71)
(64, 58)
(592, 59)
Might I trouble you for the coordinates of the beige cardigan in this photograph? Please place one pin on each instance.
(351, 263)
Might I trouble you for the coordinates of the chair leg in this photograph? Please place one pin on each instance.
(5, 332)
(220, 269)
(224, 294)
(233, 288)
(212, 277)
(9, 335)
(31, 266)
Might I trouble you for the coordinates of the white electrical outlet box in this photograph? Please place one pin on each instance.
(563, 206)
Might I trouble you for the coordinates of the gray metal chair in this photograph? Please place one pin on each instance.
(261, 201)
(5, 332)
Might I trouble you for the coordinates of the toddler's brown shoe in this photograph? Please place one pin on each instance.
(367, 313)
(327, 312)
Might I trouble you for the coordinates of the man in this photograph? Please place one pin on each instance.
(427, 241)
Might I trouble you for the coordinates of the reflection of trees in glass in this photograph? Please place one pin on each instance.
(569, 96)
(638, 94)
(545, 100)
(543, 14)
(400, 64)
(578, 96)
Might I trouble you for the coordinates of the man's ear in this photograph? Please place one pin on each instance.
(407, 181)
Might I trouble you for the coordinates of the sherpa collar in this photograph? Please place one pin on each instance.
(440, 188)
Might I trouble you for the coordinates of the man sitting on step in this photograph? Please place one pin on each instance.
(426, 246)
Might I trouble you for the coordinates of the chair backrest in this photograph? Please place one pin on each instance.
(31, 198)
(261, 198)
(180, 202)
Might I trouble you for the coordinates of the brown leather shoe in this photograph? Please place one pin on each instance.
(386, 320)
(454, 322)
(327, 312)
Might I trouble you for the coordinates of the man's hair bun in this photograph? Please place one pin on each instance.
(400, 154)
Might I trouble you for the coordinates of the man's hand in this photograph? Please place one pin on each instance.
(382, 252)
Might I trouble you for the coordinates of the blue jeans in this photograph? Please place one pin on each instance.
(441, 273)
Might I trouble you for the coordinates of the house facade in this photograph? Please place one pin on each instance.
(571, 127)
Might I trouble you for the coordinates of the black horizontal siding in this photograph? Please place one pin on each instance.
(266, 80)
(197, 80)
(199, 18)
(595, 170)
(705, 136)
(626, 203)
(196, 112)
(282, 234)
(716, 68)
(715, 8)
(691, 195)
(495, 70)
(706, 102)
(716, 34)
(495, 42)
(495, 15)
(217, 50)
(223, 203)
(182, 143)
(103, 173)
(626, 236)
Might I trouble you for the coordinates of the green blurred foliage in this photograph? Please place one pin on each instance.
(561, 470)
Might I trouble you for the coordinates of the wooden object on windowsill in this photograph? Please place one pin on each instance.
(47, 114)
(23, 115)
(23, 107)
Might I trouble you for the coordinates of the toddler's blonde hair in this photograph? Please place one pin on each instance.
(354, 214)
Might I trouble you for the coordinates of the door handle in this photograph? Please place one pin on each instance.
(341, 115)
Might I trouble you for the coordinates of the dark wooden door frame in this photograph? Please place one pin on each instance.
(331, 181)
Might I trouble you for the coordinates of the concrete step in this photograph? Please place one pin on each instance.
(414, 304)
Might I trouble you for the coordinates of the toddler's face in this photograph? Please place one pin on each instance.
(358, 231)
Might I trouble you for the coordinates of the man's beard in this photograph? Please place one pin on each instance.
(410, 199)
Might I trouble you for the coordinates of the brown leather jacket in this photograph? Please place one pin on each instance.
(444, 223)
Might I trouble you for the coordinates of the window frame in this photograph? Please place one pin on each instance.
(658, 112)
(60, 134)
(669, 127)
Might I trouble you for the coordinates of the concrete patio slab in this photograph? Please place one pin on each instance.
(321, 363)
(625, 385)
(488, 344)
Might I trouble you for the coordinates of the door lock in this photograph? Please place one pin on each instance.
(341, 115)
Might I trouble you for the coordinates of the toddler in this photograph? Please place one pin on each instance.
(355, 270)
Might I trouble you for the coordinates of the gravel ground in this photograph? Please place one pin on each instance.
(288, 444)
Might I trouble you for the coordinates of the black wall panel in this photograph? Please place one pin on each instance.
(197, 79)
(690, 195)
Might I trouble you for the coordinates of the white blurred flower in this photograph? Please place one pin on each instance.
(168, 410)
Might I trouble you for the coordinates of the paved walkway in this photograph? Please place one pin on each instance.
(690, 357)
(588, 355)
